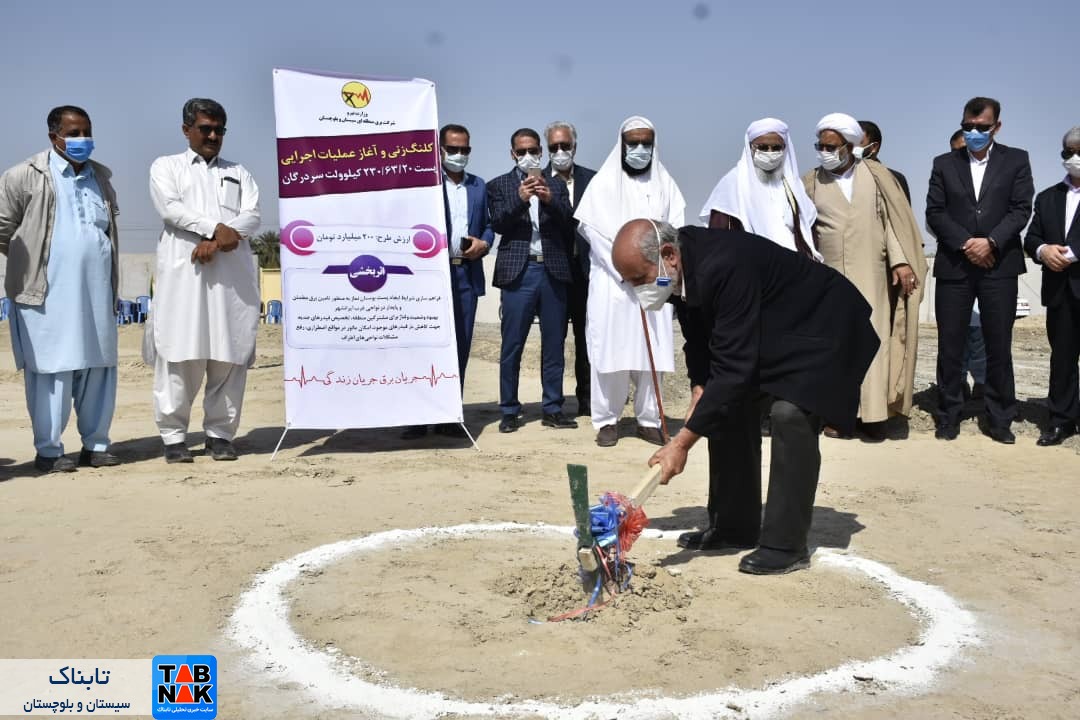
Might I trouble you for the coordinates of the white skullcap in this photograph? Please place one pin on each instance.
(764, 126)
(844, 124)
(635, 122)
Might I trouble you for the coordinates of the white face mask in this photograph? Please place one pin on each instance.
(455, 163)
(652, 296)
(638, 156)
(1072, 166)
(528, 161)
(768, 160)
(562, 160)
(831, 160)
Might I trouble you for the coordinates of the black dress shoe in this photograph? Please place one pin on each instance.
(769, 561)
(220, 449)
(509, 424)
(1002, 435)
(54, 464)
(558, 421)
(1056, 435)
(414, 432)
(608, 436)
(177, 453)
(874, 432)
(713, 539)
(947, 432)
(97, 458)
(452, 430)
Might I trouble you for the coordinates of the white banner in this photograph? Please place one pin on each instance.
(368, 311)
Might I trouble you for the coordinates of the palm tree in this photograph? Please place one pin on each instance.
(267, 246)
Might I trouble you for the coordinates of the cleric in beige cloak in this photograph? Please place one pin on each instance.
(865, 229)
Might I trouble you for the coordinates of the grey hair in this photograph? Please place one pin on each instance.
(561, 125)
(210, 108)
(1072, 138)
(649, 243)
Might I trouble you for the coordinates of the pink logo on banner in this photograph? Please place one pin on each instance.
(429, 242)
(343, 164)
(298, 237)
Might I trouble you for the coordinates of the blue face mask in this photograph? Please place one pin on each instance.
(78, 149)
(976, 140)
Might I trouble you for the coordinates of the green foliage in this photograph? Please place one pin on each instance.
(267, 246)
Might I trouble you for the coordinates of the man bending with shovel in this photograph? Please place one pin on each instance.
(757, 319)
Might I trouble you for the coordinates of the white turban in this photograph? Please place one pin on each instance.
(847, 126)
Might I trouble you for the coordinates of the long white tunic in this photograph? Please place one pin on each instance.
(613, 318)
(211, 311)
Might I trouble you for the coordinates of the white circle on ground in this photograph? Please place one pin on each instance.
(261, 624)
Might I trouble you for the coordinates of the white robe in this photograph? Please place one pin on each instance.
(613, 319)
(204, 311)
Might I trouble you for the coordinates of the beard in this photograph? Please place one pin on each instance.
(772, 176)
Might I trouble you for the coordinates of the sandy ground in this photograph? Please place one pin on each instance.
(148, 558)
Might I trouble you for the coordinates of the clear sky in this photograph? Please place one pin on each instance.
(701, 71)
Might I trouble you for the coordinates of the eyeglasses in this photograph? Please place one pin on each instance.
(457, 149)
(207, 129)
(981, 127)
(520, 152)
(556, 147)
(826, 147)
(1068, 153)
(769, 148)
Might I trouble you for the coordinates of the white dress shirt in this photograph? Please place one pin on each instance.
(458, 198)
(536, 247)
(204, 311)
(569, 182)
(978, 169)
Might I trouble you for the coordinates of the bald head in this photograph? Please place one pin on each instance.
(638, 250)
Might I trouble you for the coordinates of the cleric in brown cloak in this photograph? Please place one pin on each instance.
(756, 319)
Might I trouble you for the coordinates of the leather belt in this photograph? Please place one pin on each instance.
(456, 261)
(536, 258)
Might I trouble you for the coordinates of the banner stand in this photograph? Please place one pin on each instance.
(286, 430)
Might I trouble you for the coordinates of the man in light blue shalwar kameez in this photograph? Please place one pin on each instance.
(65, 342)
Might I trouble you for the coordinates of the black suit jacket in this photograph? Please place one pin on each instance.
(757, 315)
(579, 247)
(903, 183)
(1048, 227)
(1001, 212)
(510, 218)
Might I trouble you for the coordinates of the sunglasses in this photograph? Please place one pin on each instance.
(520, 152)
(1068, 153)
(981, 127)
(555, 147)
(205, 130)
(826, 147)
(768, 148)
(457, 149)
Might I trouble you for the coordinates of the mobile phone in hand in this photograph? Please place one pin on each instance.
(535, 172)
(466, 243)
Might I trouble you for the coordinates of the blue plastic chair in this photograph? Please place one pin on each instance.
(273, 312)
(5, 308)
(142, 308)
(125, 316)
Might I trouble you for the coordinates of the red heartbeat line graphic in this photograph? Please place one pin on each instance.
(332, 378)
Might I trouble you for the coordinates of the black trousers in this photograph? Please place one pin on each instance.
(735, 476)
(577, 297)
(953, 300)
(1063, 330)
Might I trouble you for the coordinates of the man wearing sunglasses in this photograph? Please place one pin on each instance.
(978, 202)
(468, 228)
(561, 139)
(58, 232)
(1053, 240)
(866, 230)
(531, 213)
(206, 302)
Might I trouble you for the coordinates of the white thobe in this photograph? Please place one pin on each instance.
(616, 341)
(204, 311)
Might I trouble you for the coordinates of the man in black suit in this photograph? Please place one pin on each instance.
(978, 202)
(871, 150)
(562, 146)
(532, 268)
(756, 318)
(1053, 241)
